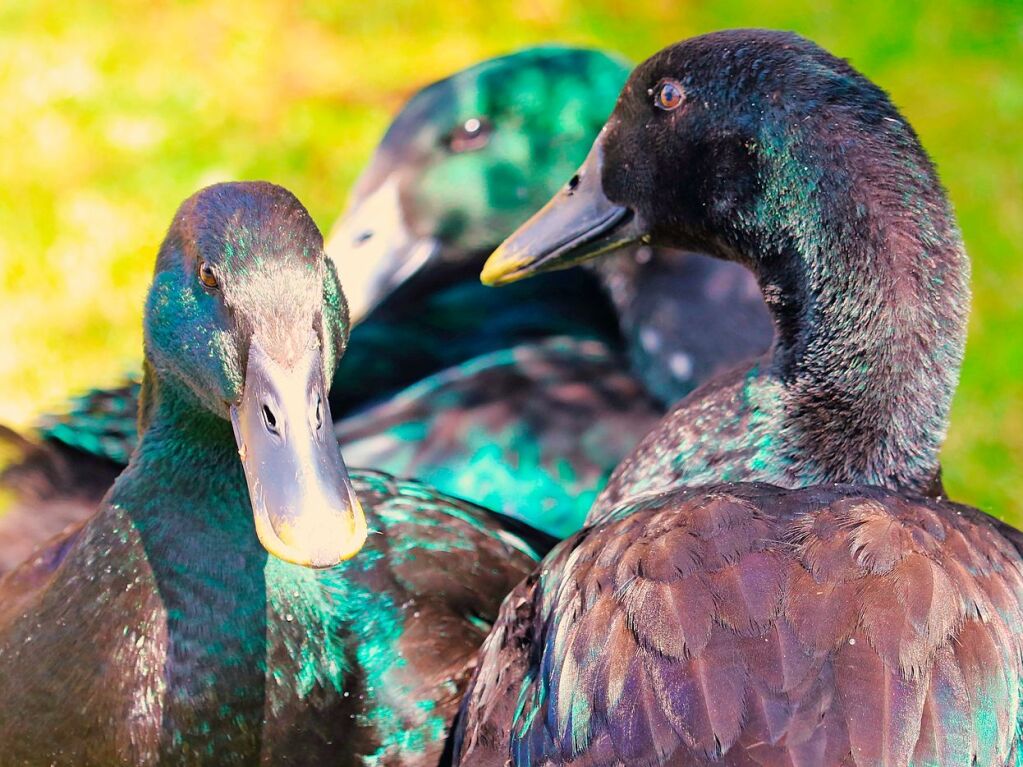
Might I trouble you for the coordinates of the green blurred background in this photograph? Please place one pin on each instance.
(113, 112)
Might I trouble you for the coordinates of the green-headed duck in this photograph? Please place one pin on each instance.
(212, 610)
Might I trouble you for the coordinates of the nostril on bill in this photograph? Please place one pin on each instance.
(269, 419)
(572, 183)
(363, 237)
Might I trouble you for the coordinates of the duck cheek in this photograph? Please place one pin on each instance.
(303, 504)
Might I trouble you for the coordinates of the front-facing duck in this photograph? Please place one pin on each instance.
(180, 623)
(699, 620)
(522, 400)
(465, 160)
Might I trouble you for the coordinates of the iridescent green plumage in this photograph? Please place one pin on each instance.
(161, 631)
(430, 206)
(530, 431)
(844, 614)
(438, 322)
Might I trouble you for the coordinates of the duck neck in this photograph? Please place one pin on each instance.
(233, 614)
(862, 266)
(186, 466)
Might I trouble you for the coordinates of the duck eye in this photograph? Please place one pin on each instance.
(669, 96)
(207, 277)
(471, 135)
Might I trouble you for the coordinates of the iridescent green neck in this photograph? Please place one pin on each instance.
(186, 463)
(235, 616)
(863, 268)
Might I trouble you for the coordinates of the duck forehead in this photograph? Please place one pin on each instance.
(546, 91)
(554, 98)
(424, 117)
(740, 60)
(253, 253)
(266, 252)
(263, 234)
(277, 299)
(538, 81)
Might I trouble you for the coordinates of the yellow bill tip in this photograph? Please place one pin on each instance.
(504, 267)
(359, 532)
(316, 540)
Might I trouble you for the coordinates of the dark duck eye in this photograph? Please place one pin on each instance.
(473, 134)
(669, 95)
(207, 277)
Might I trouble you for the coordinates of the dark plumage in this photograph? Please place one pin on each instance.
(685, 317)
(53, 487)
(747, 624)
(784, 159)
(434, 201)
(558, 412)
(162, 631)
(697, 622)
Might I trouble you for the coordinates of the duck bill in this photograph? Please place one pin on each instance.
(578, 224)
(376, 251)
(302, 499)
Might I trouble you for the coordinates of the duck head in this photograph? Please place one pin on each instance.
(762, 148)
(245, 319)
(466, 161)
(718, 144)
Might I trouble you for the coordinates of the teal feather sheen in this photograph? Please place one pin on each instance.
(773, 576)
(162, 631)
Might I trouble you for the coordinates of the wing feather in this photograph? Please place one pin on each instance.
(748, 625)
(882, 707)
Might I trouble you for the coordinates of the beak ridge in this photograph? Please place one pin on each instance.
(303, 503)
(374, 248)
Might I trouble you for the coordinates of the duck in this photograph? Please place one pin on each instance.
(507, 131)
(62, 470)
(774, 575)
(468, 159)
(213, 609)
(538, 446)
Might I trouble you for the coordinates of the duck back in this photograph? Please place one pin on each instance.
(738, 624)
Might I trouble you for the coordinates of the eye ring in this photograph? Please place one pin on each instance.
(471, 135)
(669, 95)
(207, 277)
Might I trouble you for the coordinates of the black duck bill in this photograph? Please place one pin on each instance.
(305, 508)
(579, 223)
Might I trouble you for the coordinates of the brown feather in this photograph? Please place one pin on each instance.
(823, 626)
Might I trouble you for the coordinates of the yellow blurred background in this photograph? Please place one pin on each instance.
(113, 112)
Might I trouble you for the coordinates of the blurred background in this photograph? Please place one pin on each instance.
(114, 112)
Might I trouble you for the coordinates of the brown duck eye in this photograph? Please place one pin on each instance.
(473, 134)
(206, 276)
(669, 96)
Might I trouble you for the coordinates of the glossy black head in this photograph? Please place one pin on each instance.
(734, 143)
(762, 148)
(245, 317)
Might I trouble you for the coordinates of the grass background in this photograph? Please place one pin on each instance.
(113, 112)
